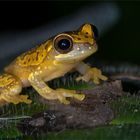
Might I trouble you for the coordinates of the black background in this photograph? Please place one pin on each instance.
(120, 43)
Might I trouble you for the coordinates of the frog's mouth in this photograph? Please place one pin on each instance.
(80, 52)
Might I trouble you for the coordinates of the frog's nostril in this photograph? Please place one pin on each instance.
(86, 36)
(79, 38)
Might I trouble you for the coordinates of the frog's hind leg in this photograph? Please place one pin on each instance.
(16, 99)
(10, 88)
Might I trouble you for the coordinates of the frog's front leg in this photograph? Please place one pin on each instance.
(45, 91)
(89, 73)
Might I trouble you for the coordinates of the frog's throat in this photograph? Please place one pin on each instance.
(75, 57)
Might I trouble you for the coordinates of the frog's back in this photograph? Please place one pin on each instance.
(33, 57)
(29, 59)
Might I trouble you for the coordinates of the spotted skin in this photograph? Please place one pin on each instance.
(48, 61)
(6, 80)
(33, 57)
(10, 87)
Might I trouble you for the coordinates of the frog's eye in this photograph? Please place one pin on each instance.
(95, 31)
(63, 44)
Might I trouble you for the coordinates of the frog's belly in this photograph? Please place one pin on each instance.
(58, 72)
(54, 75)
(48, 77)
(45, 72)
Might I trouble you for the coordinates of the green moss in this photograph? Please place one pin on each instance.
(127, 110)
(119, 132)
(10, 132)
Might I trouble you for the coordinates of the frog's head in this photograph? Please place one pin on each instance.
(77, 45)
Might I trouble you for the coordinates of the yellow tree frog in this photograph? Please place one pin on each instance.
(52, 59)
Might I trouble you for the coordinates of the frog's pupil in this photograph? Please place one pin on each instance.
(64, 44)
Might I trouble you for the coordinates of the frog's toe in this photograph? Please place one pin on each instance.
(96, 80)
(24, 98)
(63, 100)
(64, 93)
(85, 78)
(79, 97)
(96, 75)
(102, 77)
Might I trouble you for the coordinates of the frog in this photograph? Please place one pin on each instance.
(52, 59)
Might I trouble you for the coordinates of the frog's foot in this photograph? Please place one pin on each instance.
(24, 99)
(62, 94)
(92, 74)
(15, 99)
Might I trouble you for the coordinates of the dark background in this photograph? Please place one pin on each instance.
(119, 44)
